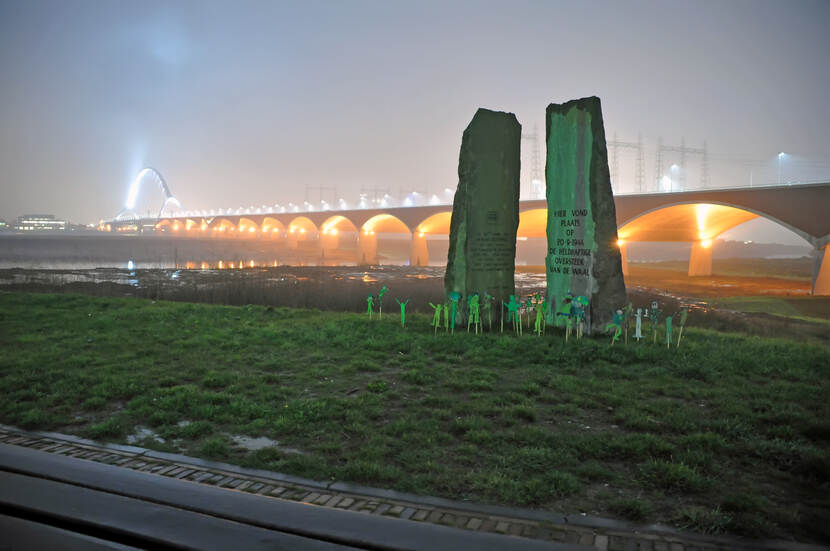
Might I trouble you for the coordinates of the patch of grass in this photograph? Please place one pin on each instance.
(634, 431)
(631, 508)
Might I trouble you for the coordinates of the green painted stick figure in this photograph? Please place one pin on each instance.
(446, 317)
(628, 312)
(474, 311)
(436, 317)
(488, 309)
(370, 302)
(582, 306)
(403, 311)
(454, 298)
(684, 313)
(616, 325)
(380, 300)
(539, 306)
(668, 330)
(513, 311)
(654, 319)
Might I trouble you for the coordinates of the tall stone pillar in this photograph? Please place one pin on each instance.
(485, 210)
(821, 272)
(583, 257)
(418, 252)
(367, 248)
(700, 261)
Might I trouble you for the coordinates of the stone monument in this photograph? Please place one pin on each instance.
(583, 256)
(485, 211)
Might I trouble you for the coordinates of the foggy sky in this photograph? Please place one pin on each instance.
(246, 103)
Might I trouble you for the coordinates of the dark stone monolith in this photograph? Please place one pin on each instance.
(583, 256)
(485, 211)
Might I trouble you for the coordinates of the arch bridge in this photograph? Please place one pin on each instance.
(698, 217)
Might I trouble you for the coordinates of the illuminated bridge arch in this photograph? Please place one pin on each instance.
(135, 187)
(272, 227)
(698, 223)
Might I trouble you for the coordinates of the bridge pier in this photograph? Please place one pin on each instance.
(418, 252)
(329, 242)
(821, 271)
(700, 261)
(623, 256)
(367, 248)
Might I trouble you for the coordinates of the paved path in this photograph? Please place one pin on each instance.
(597, 533)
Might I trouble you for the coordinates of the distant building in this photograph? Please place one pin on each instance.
(39, 223)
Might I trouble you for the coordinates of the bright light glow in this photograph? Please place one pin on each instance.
(251, 264)
(302, 230)
(333, 231)
(434, 200)
(292, 229)
(780, 155)
(221, 265)
(420, 234)
(702, 211)
(620, 242)
(130, 265)
(252, 229)
(706, 243)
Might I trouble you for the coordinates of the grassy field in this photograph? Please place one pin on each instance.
(728, 433)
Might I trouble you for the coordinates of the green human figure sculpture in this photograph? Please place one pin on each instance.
(581, 308)
(513, 314)
(403, 311)
(436, 317)
(567, 311)
(454, 298)
(654, 318)
(474, 309)
(668, 330)
(628, 311)
(684, 313)
(529, 308)
(370, 303)
(446, 317)
(382, 292)
(488, 309)
(538, 327)
(615, 324)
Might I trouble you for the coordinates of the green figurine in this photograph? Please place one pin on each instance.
(684, 313)
(568, 312)
(654, 319)
(380, 300)
(446, 317)
(403, 311)
(454, 298)
(581, 308)
(370, 303)
(616, 325)
(488, 309)
(539, 306)
(436, 317)
(668, 330)
(513, 311)
(473, 312)
(628, 311)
